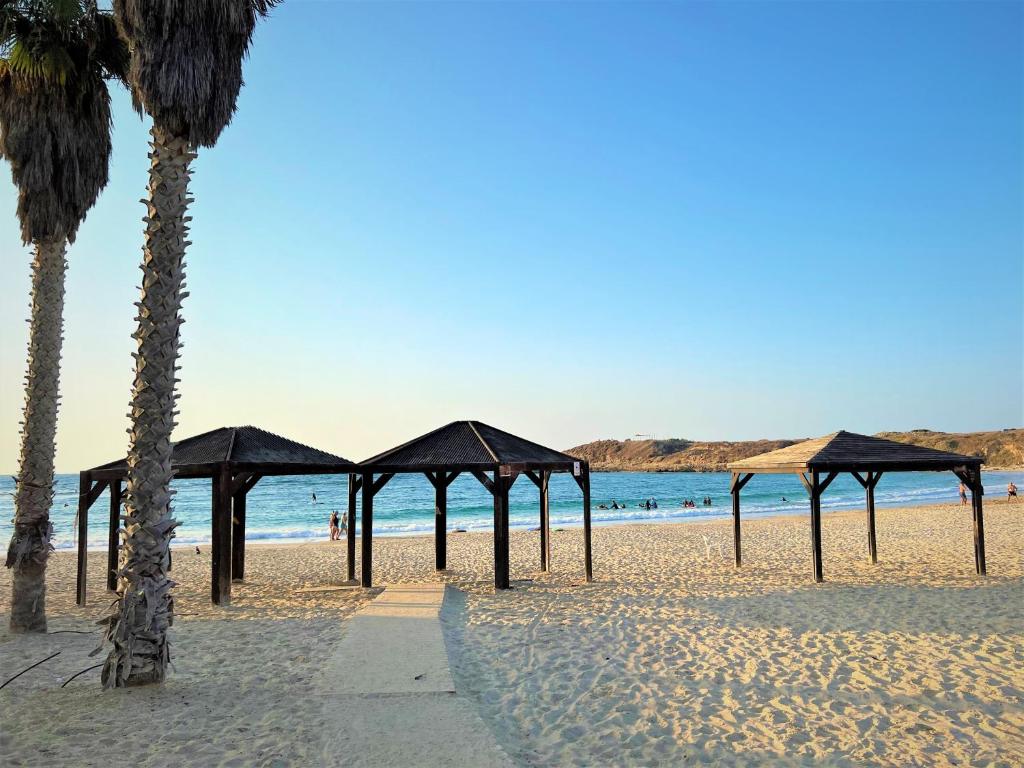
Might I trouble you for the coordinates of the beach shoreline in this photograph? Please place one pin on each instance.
(671, 656)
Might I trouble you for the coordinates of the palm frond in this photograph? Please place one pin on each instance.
(55, 56)
(186, 60)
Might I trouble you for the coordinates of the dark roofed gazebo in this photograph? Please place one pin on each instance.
(234, 458)
(866, 458)
(477, 449)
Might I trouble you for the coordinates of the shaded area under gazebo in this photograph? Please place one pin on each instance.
(493, 457)
(234, 459)
(867, 459)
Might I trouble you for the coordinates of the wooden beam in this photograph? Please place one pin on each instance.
(736, 548)
(739, 480)
(354, 484)
(366, 566)
(806, 482)
(861, 480)
(84, 485)
(381, 481)
(485, 481)
(869, 490)
(533, 477)
(875, 477)
(501, 580)
(238, 535)
(244, 482)
(816, 527)
(588, 563)
(112, 533)
(96, 491)
(433, 478)
(450, 478)
(977, 491)
(545, 521)
(220, 576)
(239, 482)
(440, 524)
(827, 482)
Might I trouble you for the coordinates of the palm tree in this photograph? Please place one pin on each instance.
(186, 71)
(55, 57)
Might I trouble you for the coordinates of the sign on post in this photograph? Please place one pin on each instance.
(576, 469)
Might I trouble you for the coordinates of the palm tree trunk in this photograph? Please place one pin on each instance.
(30, 545)
(144, 610)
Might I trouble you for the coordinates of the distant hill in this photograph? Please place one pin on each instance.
(1003, 449)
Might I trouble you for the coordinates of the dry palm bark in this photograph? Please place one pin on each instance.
(30, 544)
(55, 134)
(186, 72)
(138, 628)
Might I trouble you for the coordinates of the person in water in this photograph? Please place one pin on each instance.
(647, 504)
(615, 504)
(334, 529)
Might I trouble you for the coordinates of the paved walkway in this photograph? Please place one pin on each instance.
(389, 698)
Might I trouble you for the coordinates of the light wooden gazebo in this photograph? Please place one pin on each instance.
(817, 462)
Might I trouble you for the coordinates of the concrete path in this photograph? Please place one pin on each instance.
(389, 698)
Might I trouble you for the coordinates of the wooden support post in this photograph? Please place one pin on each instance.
(588, 565)
(545, 521)
(441, 522)
(84, 484)
(220, 575)
(350, 530)
(977, 491)
(735, 486)
(501, 580)
(869, 490)
(366, 566)
(816, 526)
(112, 535)
(238, 535)
(737, 554)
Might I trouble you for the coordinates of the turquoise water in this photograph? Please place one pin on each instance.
(282, 508)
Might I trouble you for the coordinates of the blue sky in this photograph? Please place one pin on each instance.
(577, 221)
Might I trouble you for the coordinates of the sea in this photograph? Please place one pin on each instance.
(284, 508)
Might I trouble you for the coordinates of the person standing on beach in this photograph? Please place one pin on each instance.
(335, 534)
(963, 495)
(1011, 491)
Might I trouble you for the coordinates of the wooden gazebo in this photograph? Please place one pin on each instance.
(234, 458)
(817, 462)
(493, 457)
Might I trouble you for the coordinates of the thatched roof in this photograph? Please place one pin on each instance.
(244, 448)
(846, 451)
(468, 445)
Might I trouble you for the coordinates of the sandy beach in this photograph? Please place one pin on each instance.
(670, 657)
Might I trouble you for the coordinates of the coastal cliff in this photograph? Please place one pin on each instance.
(1003, 449)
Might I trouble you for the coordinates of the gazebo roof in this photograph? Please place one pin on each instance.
(244, 448)
(468, 445)
(849, 452)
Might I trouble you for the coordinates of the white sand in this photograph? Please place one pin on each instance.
(671, 657)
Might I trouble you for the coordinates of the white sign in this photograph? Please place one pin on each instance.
(505, 470)
(576, 468)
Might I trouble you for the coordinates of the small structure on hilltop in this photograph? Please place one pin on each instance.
(234, 458)
(866, 458)
(493, 457)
